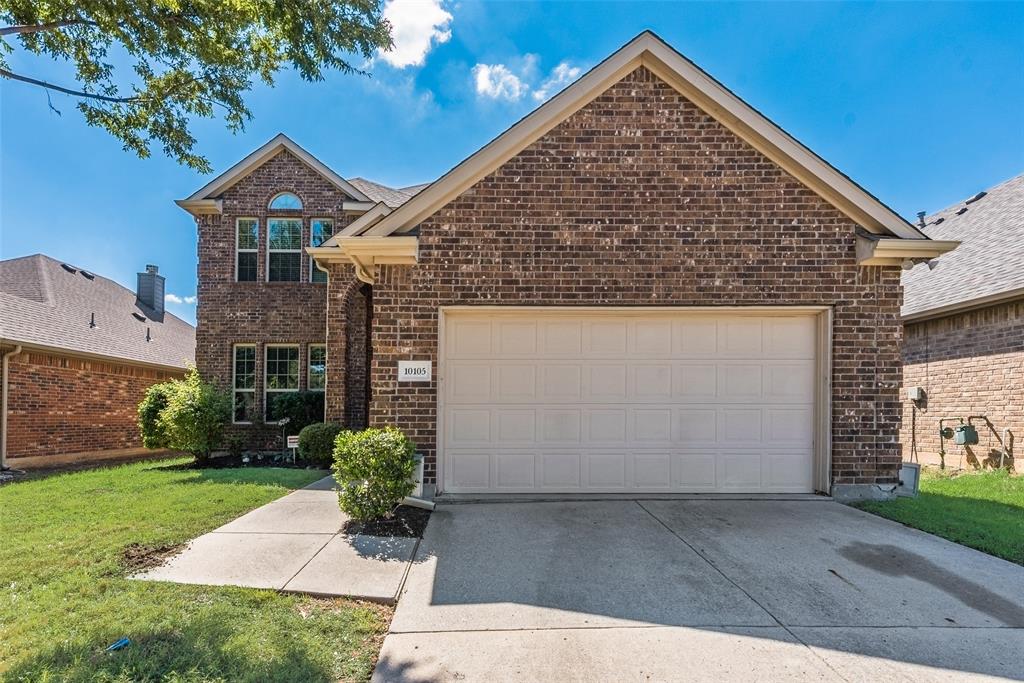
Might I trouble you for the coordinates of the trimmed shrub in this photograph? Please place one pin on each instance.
(149, 409)
(374, 469)
(195, 415)
(316, 443)
(302, 408)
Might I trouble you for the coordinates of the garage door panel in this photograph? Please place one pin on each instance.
(651, 381)
(695, 337)
(561, 383)
(560, 470)
(605, 339)
(605, 470)
(469, 383)
(663, 402)
(562, 338)
(652, 425)
(605, 426)
(515, 470)
(562, 425)
(740, 338)
(695, 472)
(695, 382)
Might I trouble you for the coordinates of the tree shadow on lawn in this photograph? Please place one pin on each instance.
(202, 649)
(288, 477)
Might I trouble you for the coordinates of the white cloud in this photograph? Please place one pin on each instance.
(175, 299)
(512, 83)
(497, 82)
(416, 26)
(561, 76)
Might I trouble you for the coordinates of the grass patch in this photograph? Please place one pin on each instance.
(70, 540)
(982, 510)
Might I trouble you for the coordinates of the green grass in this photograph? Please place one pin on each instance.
(65, 595)
(983, 510)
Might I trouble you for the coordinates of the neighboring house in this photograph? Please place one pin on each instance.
(963, 340)
(642, 286)
(79, 352)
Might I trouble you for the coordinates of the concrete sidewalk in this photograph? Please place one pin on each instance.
(712, 590)
(294, 544)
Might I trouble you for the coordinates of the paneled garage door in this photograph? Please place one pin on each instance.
(556, 401)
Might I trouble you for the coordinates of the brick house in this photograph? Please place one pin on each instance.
(79, 352)
(642, 286)
(963, 340)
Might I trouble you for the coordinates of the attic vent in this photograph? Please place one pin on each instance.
(976, 197)
(87, 275)
(70, 269)
(138, 316)
(939, 220)
(961, 211)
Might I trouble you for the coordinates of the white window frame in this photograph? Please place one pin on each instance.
(309, 366)
(234, 385)
(270, 204)
(266, 383)
(247, 251)
(312, 264)
(302, 227)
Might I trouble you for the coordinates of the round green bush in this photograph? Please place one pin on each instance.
(316, 443)
(374, 470)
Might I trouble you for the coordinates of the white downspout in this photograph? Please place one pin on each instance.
(3, 408)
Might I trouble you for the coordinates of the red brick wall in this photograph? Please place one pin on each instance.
(62, 405)
(642, 199)
(969, 364)
(262, 312)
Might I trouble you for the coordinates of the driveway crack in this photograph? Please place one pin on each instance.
(742, 590)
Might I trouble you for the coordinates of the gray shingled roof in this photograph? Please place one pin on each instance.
(393, 197)
(989, 260)
(42, 303)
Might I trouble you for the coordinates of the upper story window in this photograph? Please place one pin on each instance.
(246, 241)
(286, 201)
(320, 230)
(284, 249)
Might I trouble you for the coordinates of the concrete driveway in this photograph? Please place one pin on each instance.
(698, 590)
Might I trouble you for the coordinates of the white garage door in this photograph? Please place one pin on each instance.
(555, 401)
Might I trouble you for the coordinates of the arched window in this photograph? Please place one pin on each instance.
(287, 201)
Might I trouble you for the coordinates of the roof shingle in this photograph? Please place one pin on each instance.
(989, 260)
(45, 304)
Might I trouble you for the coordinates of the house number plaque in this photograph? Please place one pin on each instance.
(414, 370)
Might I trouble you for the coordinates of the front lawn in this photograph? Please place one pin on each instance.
(65, 596)
(983, 510)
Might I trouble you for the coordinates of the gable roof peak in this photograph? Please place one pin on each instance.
(649, 50)
(257, 158)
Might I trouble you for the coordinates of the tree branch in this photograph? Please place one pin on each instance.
(67, 91)
(38, 28)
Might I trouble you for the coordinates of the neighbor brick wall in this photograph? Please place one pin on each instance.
(969, 363)
(642, 199)
(262, 312)
(61, 405)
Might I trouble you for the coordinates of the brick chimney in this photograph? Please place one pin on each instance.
(150, 291)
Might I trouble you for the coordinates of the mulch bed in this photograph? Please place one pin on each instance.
(406, 522)
(221, 462)
(137, 557)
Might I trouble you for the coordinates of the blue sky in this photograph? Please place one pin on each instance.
(923, 104)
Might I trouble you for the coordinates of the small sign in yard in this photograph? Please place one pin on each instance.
(293, 441)
(414, 370)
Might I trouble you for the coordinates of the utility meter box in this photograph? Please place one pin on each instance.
(965, 435)
(915, 393)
